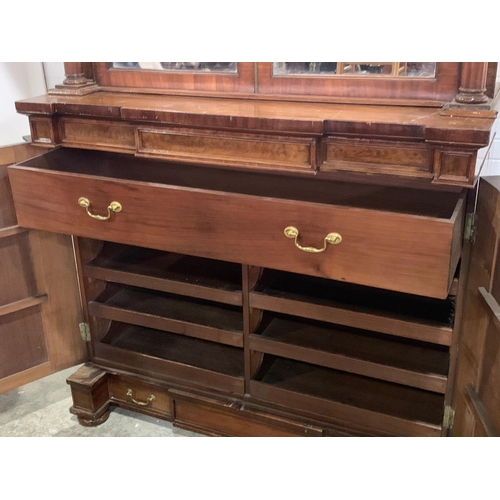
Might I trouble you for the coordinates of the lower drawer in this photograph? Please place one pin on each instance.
(211, 416)
(141, 396)
(400, 239)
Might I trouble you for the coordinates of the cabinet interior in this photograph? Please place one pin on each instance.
(193, 321)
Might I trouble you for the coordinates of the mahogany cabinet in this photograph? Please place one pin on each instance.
(306, 258)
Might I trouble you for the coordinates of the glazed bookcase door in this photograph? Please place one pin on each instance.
(194, 77)
(477, 390)
(346, 80)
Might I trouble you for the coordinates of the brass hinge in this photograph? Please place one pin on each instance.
(85, 331)
(470, 227)
(449, 417)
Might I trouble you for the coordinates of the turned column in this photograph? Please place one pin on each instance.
(75, 82)
(473, 83)
(74, 74)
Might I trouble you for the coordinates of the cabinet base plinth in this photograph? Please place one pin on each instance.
(86, 422)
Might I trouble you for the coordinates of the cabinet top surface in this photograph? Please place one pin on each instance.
(253, 114)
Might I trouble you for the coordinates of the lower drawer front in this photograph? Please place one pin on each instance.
(140, 396)
(227, 422)
(395, 251)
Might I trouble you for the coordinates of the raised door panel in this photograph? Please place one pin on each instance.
(477, 394)
(185, 78)
(339, 84)
(39, 304)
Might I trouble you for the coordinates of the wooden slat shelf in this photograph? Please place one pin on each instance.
(411, 363)
(22, 304)
(385, 406)
(168, 272)
(172, 356)
(171, 313)
(426, 319)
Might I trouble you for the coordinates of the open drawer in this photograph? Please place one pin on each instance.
(401, 239)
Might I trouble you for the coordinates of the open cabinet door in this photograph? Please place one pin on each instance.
(39, 302)
(477, 390)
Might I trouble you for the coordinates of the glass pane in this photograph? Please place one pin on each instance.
(384, 69)
(216, 67)
(421, 69)
(304, 68)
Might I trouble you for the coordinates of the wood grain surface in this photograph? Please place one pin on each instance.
(397, 251)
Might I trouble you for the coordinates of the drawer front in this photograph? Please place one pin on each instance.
(395, 251)
(376, 157)
(227, 422)
(140, 396)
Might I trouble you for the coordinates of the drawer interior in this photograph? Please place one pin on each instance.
(317, 189)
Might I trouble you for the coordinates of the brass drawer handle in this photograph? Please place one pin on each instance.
(114, 206)
(140, 403)
(331, 238)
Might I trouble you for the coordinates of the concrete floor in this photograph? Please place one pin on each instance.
(41, 409)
